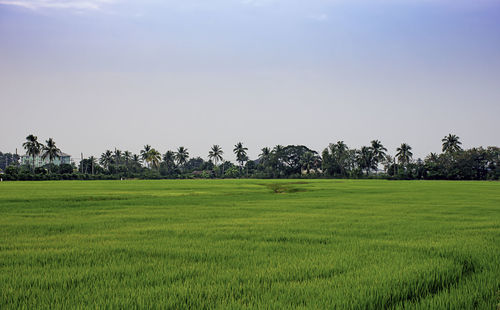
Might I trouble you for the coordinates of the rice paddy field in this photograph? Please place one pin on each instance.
(233, 244)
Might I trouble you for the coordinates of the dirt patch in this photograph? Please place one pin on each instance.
(282, 188)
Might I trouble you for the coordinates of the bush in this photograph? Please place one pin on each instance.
(12, 171)
(40, 170)
(231, 173)
(65, 169)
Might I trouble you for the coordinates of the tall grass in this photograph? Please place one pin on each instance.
(320, 244)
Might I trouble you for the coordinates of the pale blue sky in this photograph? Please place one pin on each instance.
(103, 74)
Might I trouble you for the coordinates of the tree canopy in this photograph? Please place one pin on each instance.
(337, 160)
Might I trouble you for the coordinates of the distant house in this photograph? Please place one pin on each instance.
(311, 171)
(62, 158)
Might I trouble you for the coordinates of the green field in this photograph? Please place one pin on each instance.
(318, 244)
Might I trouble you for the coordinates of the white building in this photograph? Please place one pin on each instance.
(62, 158)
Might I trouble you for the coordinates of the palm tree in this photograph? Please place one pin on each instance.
(106, 159)
(182, 155)
(451, 144)
(366, 159)
(378, 151)
(127, 156)
(241, 154)
(432, 157)
(341, 146)
(145, 153)
(307, 161)
(277, 159)
(215, 155)
(404, 153)
(154, 157)
(136, 159)
(278, 149)
(33, 148)
(340, 156)
(265, 155)
(387, 162)
(118, 157)
(51, 151)
(169, 159)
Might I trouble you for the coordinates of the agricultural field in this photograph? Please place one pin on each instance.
(274, 244)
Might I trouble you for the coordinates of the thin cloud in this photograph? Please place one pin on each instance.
(58, 4)
(319, 17)
(257, 3)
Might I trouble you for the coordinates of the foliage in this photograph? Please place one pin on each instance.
(451, 144)
(232, 172)
(50, 150)
(33, 148)
(241, 154)
(291, 161)
(7, 159)
(404, 154)
(181, 156)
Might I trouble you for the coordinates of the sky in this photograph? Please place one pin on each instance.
(106, 74)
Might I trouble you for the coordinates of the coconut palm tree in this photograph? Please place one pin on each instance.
(169, 159)
(404, 154)
(127, 155)
(451, 144)
(265, 155)
(277, 159)
(241, 154)
(51, 151)
(145, 153)
(182, 155)
(215, 155)
(366, 159)
(387, 162)
(278, 149)
(33, 148)
(154, 158)
(340, 156)
(307, 161)
(118, 157)
(341, 146)
(378, 152)
(378, 149)
(432, 157)
(106, 159)
(136, 159)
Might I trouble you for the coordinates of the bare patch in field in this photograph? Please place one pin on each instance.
(285, 188)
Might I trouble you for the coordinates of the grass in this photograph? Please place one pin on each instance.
(320, 244)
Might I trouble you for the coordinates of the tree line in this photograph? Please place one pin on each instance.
(337, 160)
